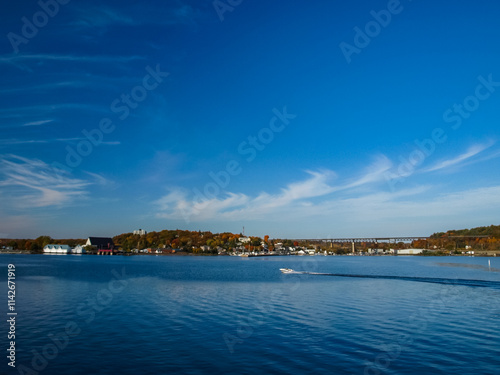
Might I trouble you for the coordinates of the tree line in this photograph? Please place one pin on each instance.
(37, 245)
(206, 241)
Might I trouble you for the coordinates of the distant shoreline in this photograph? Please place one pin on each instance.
(184, 254)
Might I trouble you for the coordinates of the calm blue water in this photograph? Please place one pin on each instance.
(226, 315)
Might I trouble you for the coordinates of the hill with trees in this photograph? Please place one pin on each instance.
(191, 241)
(492, 231)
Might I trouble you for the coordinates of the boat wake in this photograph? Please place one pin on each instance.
(433, 280)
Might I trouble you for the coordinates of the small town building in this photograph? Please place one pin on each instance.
(103, 245)
(57, 249)
(409, 251)
(78, 250)
(100, 242)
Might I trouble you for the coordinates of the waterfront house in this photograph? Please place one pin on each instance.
(103, 245)
(56, 249)
(78, 250)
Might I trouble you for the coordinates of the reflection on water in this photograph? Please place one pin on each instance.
(210, 315)
(471, 266)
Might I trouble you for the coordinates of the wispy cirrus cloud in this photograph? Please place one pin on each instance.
(470, 153)
(99, 179)
(13, 58)
(298, 196)
(104, 16)
(24, 61)
(77, 82)
(315, 186)
(20, 113)
(177, 203)
(33, 183)
(101, 16)
(375, 172)
(12, 142)
(37, 123)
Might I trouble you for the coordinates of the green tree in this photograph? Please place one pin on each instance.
(12, 244)
(89, 248)
(256, 241)
(35, 247)
(42, 241)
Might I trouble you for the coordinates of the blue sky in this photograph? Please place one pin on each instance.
(298, 120)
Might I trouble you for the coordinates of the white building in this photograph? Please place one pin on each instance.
(78, 250)
(140, 232)
(57, 249)
(244, 239)
(409, 251)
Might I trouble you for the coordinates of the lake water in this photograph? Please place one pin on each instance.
(232, 315)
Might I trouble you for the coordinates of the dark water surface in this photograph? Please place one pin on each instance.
(231, 315)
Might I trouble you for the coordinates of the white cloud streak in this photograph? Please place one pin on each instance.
(295, 196)
(17, 58)
(37, 123)
(24, 62)
(471, 152)
(33, 183)
(373, 173)
(103, 17)
(10, 142)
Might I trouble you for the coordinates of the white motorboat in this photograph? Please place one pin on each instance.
(287, 270)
